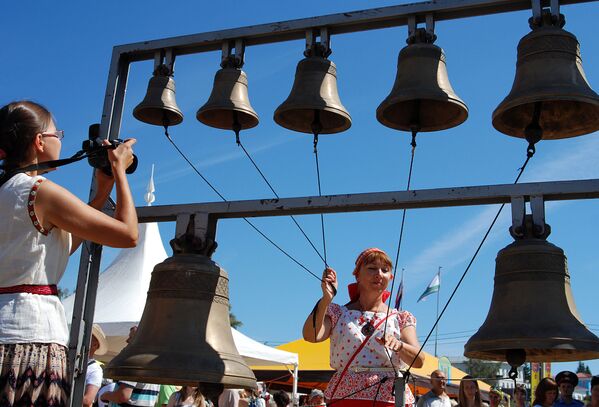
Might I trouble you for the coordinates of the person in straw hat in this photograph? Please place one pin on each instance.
(94, 375)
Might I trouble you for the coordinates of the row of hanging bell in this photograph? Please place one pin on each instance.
(532, 316)
(549, 84)
(184, 335)
(421, 92)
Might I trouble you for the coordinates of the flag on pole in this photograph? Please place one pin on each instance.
(399, 295)
(432, 288)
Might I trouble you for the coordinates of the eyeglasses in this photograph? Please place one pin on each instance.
(59, 134)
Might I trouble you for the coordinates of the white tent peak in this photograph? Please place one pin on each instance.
(149, 197)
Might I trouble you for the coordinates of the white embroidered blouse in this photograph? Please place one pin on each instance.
(346, 339)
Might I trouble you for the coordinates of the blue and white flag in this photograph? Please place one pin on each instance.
(432, 288)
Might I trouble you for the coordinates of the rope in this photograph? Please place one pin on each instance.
(225, 200)
(238, 141)
(316, 129)
(530, 153)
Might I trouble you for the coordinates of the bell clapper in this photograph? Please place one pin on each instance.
(534, 132)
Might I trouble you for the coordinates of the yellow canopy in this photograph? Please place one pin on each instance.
(316, 357)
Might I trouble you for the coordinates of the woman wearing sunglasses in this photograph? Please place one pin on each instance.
(42, 224)
(368, 340)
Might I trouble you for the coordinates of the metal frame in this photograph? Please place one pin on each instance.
(410, 15)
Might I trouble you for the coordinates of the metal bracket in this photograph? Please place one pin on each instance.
(554, 9)
(426, 34)
(318, 42)
(194, 233)
(518, 214)
(537, 207)
(164, 60)
(233, 54)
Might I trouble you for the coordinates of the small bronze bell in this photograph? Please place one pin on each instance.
(549, 79)
(422, 98)
(228, 102)
(159, 106)
(313, 106)
(532, 315)
(184, 336)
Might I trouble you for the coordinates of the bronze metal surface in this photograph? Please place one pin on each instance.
(184, 336)
(533, 308)
(159, 106)
(229, 98)
(422, 96)
(549, 70)
(314, 90)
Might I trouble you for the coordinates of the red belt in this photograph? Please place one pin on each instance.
(31, 289)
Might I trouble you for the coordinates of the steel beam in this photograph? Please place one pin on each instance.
(340, 23)
(377, 201)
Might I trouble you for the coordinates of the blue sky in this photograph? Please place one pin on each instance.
(58, 53)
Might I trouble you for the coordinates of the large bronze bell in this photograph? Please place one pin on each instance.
(550, 79)
(228, 105)
(159, 106)
(184, 336)
(422, 98)
(532, 315)
(313, 106)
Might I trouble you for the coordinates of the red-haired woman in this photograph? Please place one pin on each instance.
(469, 393)
(364, 359)
(42, 224)
(545, 393)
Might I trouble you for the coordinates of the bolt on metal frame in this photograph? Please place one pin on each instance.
(208, 214)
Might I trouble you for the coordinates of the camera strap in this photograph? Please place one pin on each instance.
(43, 166)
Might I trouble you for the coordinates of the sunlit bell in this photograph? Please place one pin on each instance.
(184, 336)
(532, 316)
(550, 90)
(228, 106)
(422, 98)
(159, 106)
(313, 106)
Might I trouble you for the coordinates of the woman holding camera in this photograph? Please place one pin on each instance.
(368, 340)
(42, 224)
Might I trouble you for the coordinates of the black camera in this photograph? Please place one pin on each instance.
(97, 153)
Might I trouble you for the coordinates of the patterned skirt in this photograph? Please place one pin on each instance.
(33, 375)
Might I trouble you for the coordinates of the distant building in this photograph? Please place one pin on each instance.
(507, 385)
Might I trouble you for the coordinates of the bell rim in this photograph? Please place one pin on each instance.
(333, 130)
(244, 126)
(179, 115)
(457, 120)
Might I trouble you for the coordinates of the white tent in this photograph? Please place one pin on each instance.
(121, 298)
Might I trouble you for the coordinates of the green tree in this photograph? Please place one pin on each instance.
(235, 323)
(483, 369)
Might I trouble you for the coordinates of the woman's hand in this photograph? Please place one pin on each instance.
(329, 284)
(390, 342)
(121, 157)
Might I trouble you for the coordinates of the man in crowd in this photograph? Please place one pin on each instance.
(132, 393)
(436, 397)
(316, 398)
(94, 375)
(595, 391)
(566, 382)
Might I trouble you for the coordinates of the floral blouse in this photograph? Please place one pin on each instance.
(346, 338)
